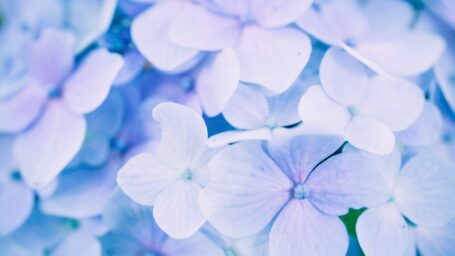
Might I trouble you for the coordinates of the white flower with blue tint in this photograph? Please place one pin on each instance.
(293, 189)
(387, 46)
(364, 110)
(434, 241)
(422, 193)
(50, 109)
(171, 178)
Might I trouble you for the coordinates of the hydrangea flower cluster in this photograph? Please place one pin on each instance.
(227, 127)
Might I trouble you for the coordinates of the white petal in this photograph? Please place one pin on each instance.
(149, 32)
(16, 200)
(43, 151)
(217, 82)
(301, 229)
(444, 72)
(247, 108)
(177, 210)
(245, 191)
(89, 86)
(395, 102)
(343, 77)
(370, 135)
(197, 27)
(344, 181)
(397, 55)
(196, 245)
(425, 191)
(144, 177)
(183, 135)
(272, 58)
(278, 13)
(426, 130)
(78, 243)
(228, 137)
(436, 241)
(318, 110)
(383, 231)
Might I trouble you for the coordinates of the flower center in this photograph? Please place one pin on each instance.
(186, 174)
(15, 175)
(300, 192)
(229, 252)
(351, 43)
(54, 93)
(271, 123)
(246, 19)
(353, 110)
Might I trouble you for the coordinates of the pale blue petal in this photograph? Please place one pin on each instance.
(218, 81)
(297, 156)
(245, 191)
(278, 13)
(176, 210)
(43, 151)
(144, 177)
(198, 28)
(425, 191)
(444, 73)
(149, 32)
(382, 230)
(88, 87)
(272, 58)
(300, 229)
(195, 245)
(78, 243)
(436, 241)
(16, 200)
(344, 181)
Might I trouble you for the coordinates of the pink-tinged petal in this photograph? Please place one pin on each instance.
(217, 82)
(370, 135)
(51, 57)
(176, 210)
(343, 77)
(245, 191)
(43, 151)
(436, 241)
(394, 102)
(89, 86)
(426, 130)
(18, 111)
(344, 181)
(149, 32)
(298, 155)
(425, 191)
(144, 177)
(197, 27)
(278, 13)
(319, 111)
(183, 136)
(300, 229)
(16, 200)
(397, 55)
(272, 58)
(247, 108)
(383, 231)
(335, 21)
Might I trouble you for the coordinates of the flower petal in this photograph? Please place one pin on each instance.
(436, 241)
(196, 245)
(301, 229)
(197, 27)
(176, 210)
(224, 138)
(149, 31)
(395, 102)
(343, 77)
(425, 191)
(89, 86)
(297, 156)
(344, 181)
(318, 110)
(217, 82)
(444, 73)
(370, 135)
(79, 243)
(51, 57)
(278, 13)
(43, 151)
(383, 231)
(272, 58)
(245, 191)
(19, 111)
(18, 199)
(144, 177)
(183, 135)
